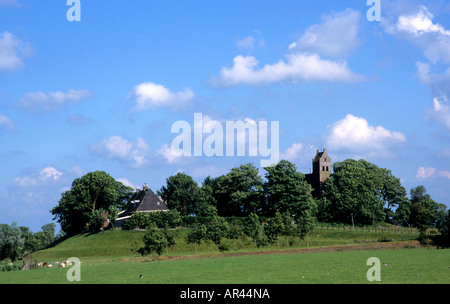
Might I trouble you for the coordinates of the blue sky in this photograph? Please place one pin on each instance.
(104, 92)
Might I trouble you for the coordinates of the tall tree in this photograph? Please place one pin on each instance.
(274, 228)
(359, 189)
(286, 190)
(424, 210)
(90, 197)
(216, 229)
(239, 192)
(12, 241)
(182, 193)
(196, 235)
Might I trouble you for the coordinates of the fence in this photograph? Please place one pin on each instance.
(400, 230)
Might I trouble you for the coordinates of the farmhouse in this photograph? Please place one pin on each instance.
(143, 200)
(320, 172)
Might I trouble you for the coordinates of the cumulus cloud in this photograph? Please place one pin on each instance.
(423, 172)
(292, 153)
(294, 68)
(12, 50)
(150, 95)
(250, 42)
(45, 176)
(135, 154)
(355, 134)
(336, 36)
(126, 182)
(53, 100)
(418, 27)
(439, 85)
(167, 153)
(429, 172)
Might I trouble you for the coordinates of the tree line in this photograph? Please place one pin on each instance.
(16, 241)
(357, 192)
(159, 237)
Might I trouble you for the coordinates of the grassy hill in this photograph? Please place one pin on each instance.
(107, 258)
(118, 244)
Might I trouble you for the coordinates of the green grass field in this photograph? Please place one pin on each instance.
(405, 266)
(107, 259)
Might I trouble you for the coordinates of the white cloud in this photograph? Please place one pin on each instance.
(11, 51)
(150, 95)
(355, 134)
(419, 23)
(6, 122)
(45, 176)
(444, 173)
(292, 153)
(295, 68)
(440, 113)
(423, 172)
(166, 152)
(439, 85)
(53, 100)
(135, 154)
(126, 182)
(432, 38)
(429, 172)
(336, 36)
(250, 42)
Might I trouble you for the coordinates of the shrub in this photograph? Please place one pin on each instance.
(223, 247)
(160, 218)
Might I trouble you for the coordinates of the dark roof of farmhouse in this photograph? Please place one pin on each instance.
(144, 201)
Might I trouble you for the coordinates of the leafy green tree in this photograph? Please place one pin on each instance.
(196, 235)
(305, 224)
(235, 231)
(403, 213)
(360, 188)
(156, 240)
(207, 205)
(289, 227)
(286, 189)
(90, 198)
(251, 225)
(11, 242)
(239, 192)
(424, 209)
(274, 228)
(49, 232)
(254, 229)
(169, 235)
(182, 193)
(216, 229)
(260, 237)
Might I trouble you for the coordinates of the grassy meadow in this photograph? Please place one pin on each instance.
(107, 258)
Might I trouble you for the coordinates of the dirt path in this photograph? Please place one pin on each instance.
(370, 246)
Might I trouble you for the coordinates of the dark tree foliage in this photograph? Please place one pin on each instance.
(361, 191)
(92, 198)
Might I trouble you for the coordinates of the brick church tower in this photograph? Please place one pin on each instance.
(321, 170)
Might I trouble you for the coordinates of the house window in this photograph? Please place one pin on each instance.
(323, 168)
